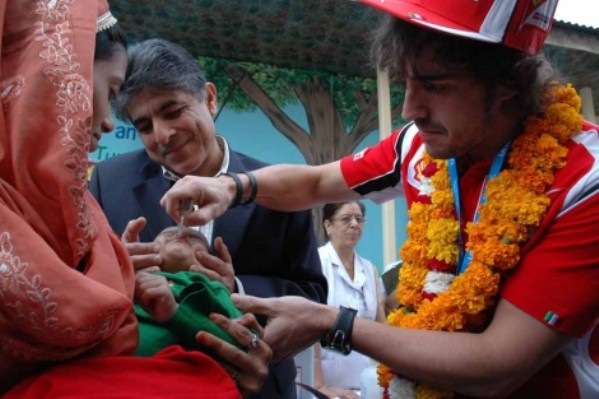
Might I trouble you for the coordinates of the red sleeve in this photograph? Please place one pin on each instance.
(374, 168)
(559, 276)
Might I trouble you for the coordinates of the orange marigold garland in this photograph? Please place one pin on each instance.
(432, 297)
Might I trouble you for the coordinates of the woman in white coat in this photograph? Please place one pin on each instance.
(353, 282)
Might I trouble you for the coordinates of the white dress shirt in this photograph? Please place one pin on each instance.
(208, 228)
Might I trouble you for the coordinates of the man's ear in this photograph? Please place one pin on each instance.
(506, 93)
(211, 98)
(506, 99)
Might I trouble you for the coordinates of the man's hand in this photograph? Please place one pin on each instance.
(217, 268)
(154, 295)
(294, 322)
(248, 368)
(211, 195)
(142, 254)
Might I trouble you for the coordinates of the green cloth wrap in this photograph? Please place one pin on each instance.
(197, 297)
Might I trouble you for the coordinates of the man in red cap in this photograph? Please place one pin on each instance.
(499, 288)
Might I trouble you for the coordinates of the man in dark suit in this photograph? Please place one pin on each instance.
(168, 100)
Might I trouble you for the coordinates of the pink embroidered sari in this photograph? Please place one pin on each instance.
(66, 282)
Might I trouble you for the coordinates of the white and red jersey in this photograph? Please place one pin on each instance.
(557, 280)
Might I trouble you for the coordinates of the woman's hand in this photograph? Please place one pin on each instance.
(248, 368)
(154, 295)
(144, 255)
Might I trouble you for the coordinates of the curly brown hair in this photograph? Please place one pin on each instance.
(398, 44)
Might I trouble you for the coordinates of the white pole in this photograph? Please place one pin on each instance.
(388, 208)
(588, 106)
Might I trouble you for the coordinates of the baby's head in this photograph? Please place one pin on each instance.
(178, 253)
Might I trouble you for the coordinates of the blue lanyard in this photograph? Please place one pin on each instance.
(465, 257)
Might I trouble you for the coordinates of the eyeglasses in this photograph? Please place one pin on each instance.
(346, 219)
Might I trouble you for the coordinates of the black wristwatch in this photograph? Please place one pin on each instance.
(339, 337)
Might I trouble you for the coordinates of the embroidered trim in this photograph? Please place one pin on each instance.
(73, 97)
(105, 21)
(37, 314)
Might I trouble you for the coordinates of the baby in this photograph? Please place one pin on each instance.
(178, 253)
(173, 304)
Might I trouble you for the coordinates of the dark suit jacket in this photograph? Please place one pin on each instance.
(274, 253)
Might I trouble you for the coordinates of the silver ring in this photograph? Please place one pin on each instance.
(235, 375)
(255, 341)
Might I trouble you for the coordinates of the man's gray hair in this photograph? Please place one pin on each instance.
(159, 65)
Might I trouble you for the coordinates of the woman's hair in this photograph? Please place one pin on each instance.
(398, 45)
(162, 65)
(108, 41)
(329, 210)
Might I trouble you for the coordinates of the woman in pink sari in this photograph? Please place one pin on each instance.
(67, 328)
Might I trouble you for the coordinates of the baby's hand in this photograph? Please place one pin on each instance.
(154, 295)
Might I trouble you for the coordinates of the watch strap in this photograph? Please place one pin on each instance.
(238, 189)
(339, 337)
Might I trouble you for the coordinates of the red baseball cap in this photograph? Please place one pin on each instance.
(520, 24)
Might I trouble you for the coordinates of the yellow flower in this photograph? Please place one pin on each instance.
(443, 199)
(443, 230)
(417, 230)
(419, 213)
(414, 252)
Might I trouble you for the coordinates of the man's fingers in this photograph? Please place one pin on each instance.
(195, 268)
(242, 335)
(211, 274)
(222, 250)
(251, 304)
(248, 320)
(134, 227)
(209, 261)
